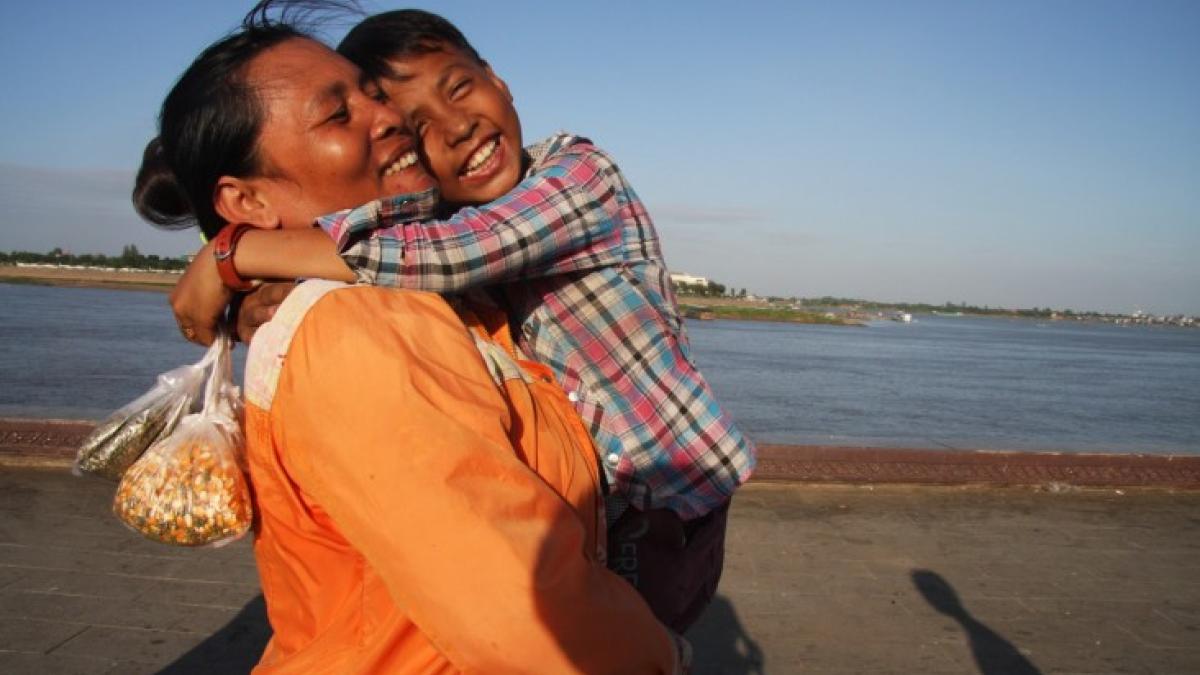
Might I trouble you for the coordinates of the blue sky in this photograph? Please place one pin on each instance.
(1002, 153)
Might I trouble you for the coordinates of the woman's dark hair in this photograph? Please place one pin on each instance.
(404, 32)
(209, 127)
(210, 121)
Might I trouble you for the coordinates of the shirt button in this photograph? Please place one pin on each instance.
(612, 458)
(573, 397)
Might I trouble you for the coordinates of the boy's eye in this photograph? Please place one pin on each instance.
(460, 88)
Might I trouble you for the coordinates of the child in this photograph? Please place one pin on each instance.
(559, 237)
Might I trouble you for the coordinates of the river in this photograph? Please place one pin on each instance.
(961, 382)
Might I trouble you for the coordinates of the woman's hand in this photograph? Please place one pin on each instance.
(200, 298)
(259, 306)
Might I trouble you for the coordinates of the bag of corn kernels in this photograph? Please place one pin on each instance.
(190, 488)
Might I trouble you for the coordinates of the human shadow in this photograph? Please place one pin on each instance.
(235, 648)
(993, 654)
(721, 645)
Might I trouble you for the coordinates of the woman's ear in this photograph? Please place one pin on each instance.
(238, 200)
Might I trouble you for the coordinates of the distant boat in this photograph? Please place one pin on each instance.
(902, 317)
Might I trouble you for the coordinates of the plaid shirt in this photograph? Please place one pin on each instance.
(575, 255)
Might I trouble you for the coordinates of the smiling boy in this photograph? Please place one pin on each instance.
(559, 237)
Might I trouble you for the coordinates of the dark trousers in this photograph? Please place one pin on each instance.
(674, 564)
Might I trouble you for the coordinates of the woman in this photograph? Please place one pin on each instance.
(427, 501)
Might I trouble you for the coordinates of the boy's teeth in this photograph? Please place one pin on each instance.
(482, 155)
(406, 160)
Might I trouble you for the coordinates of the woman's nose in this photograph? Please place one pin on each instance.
(387, 121)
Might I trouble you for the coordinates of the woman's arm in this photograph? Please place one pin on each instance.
(398, 432)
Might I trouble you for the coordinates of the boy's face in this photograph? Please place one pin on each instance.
(463, 114)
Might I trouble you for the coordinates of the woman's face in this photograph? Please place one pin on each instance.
(326, 141)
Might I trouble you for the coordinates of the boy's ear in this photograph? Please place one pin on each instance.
(498, 82)
(238, 200)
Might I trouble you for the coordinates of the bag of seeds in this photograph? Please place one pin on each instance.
(190, 488)
(119, 440)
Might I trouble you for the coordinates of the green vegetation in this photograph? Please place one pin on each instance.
(762, 314)
(714, 301)
(130, 258)
(859, 304)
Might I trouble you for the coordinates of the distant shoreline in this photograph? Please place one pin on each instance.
(139, 280)
(694, 308)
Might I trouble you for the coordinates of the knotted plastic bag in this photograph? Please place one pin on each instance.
(120, 440)
(190, 488)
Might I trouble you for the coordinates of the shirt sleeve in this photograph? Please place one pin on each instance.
(564, 218)
(397, 431)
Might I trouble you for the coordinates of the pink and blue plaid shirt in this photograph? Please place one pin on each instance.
(575, 255)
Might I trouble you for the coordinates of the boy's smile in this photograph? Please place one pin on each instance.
(463, 113)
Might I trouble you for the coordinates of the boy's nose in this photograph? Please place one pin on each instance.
(459, 127)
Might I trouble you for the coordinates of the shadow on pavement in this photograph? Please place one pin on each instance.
(993, 654)
(235, 648)
(721, 644)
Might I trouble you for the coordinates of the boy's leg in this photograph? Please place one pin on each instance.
(674, 564)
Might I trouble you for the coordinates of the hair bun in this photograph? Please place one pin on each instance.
(157, 195)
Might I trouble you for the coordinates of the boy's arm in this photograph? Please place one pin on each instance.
(564, 218)
(200, 297)
(306, 253)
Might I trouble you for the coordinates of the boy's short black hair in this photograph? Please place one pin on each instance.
(400, 33)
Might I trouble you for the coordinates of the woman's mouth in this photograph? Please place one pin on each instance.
(484, 161)
(402, 162)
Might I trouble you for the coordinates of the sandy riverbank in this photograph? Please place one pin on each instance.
(89, 278)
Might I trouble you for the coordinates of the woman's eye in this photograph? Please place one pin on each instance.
(342, 114)
(462, 87)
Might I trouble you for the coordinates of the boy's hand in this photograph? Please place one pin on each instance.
(199, 298)
(259, 306)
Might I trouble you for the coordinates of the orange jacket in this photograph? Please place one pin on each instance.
(426, 504)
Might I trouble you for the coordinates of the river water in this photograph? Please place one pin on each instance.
(961, 382)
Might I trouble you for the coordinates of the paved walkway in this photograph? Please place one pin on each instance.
(819, 579)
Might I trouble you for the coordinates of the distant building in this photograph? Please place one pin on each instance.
(683, 278)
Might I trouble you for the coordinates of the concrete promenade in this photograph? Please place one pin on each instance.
(819, 579)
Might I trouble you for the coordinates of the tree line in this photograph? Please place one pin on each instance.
(944, 308)
(712, 289)
(130, 257)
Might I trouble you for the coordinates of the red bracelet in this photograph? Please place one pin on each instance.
(224, 246)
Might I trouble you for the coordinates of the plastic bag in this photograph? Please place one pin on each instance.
(190, 488)
(120, 440)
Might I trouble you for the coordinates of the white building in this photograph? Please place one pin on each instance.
(683, 278)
